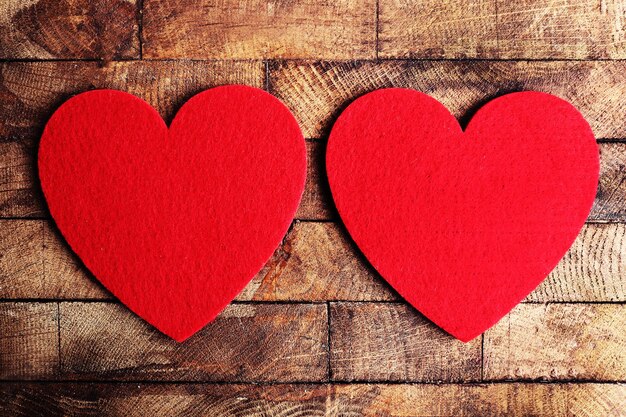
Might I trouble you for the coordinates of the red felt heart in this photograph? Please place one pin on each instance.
(173, 222)
(462, 224)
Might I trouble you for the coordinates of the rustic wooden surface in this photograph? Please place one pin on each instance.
(317, 331)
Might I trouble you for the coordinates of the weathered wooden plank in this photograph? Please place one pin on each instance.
(246, 342)
(20, 195)
(393, 342)
(508, 399)
(37, 264)
(573, 29)
(316, 262)
(537, 29)
(317, 92)
(28, 340)
(19, 187)
(558, 341)
(31, 91)
(316, 202)
(260, 29)
(44, 29)
(437, 29)
(22, 259)
(171, 400)
(610, 204)
(594, 269)
(191, 400)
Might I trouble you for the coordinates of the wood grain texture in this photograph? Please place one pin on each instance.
(573, 29)
(19, 186)
(392, 342)
(317, 92)
(28, 340)
(401, 400)
(245, 343)
(260, 29)
(316, 262)
(316, 201)
(31, 91)
(188, 400)
(68, 29)
(437, 29)
(20, 194)
(558, 342)
(610, 204)
(594, 268)
(508, 399)
(267, 358)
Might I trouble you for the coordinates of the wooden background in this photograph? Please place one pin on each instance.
(317, 332)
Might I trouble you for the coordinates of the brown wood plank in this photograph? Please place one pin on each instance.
(508, 399)
(573, 29)
(20, 195)
(393, 342)
(246, 342)
(68, 29)
(316, 201)
(437, 29)
(259, 29)
(191, 400)
(28, 340)
(594, 269)
(511, 399)
(317, 92)
(558, 342)
(610, 204)
(316, 262)
(22, 259)
(31, 91)
(188, 400)
(19, 186)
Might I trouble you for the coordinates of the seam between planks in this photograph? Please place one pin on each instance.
(313, 383)
(311, 60)
(140, 27)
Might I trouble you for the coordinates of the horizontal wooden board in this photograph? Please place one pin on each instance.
(317, 202)
(573, 29)
(317, 92)
(248, 342)
(31, 91)
(260, 29)
(536, 29)
(188, 400)
(392, 342)
(29, 343)
(437, 29)
(610, 203)
(191, 400)
(508, 399)
(594, 269)
(558, 342)
(20, 194)
(45, 29)
(316, 262)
